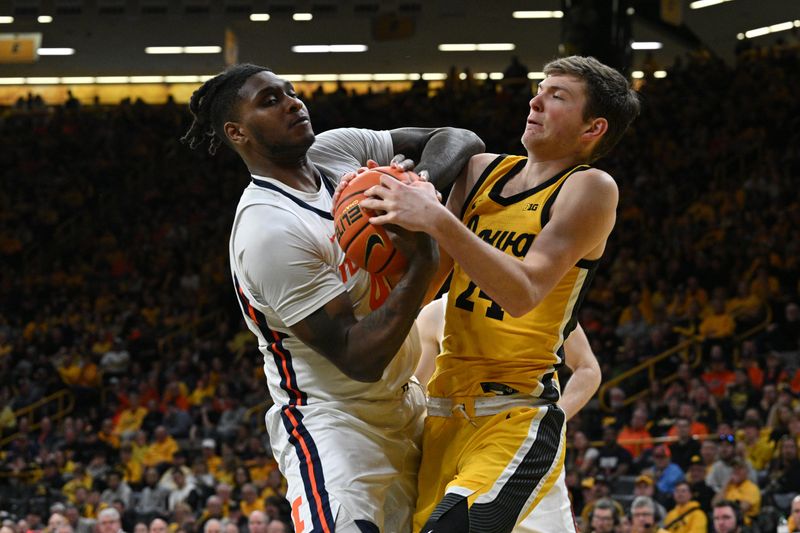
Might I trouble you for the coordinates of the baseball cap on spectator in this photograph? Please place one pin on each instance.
(696, 460)
(587, 483)
(208, 443)
(644, 478)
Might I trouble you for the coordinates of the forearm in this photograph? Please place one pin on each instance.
(503, 277)
(446, 153)
(579, 390)
(370, 344)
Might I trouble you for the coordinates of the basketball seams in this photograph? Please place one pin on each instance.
(353, 240)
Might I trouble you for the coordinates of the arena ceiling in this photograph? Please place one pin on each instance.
(402, 36)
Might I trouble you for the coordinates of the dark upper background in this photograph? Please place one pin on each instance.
(110, 35)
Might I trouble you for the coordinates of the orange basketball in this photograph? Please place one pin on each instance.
(367, 245)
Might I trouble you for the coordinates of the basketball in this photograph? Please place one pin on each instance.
(367, 245)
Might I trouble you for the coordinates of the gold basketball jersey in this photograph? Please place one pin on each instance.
(485, 350)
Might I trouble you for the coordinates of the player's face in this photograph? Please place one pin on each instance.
(555, 119)
(272, 119)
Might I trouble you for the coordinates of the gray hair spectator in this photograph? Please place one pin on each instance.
(109, 521)
(257, 522)
(643, 515)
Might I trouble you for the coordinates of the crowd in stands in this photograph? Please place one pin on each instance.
(114, 285)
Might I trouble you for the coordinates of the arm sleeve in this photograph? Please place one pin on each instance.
(345, 149)
(284, 265)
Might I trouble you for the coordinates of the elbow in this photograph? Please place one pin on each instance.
(518, 307)
(473, 144)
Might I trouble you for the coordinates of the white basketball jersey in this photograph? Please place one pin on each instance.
(286, 264)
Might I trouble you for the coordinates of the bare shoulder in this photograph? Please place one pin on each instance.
(472, 171)
(592, 185)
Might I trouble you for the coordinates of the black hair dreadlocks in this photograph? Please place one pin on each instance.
(211, 105)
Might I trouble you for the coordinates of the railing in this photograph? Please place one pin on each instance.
(65, 403)
(693, 344)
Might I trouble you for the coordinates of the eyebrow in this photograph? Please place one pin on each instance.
(554, 88)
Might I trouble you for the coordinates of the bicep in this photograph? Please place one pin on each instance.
(582, 218)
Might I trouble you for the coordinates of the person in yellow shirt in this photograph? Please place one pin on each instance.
(249, 500)
(757, 447)
(131, 467)
(719, 324)
(210, 457)
(107, 435)
(740, 489)
(80, 478)
(161, 449)
(130, 419)
(687, 516)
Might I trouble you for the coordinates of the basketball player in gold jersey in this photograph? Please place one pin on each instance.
(523, 236)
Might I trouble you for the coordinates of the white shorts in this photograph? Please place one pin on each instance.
(351, 467)
(553, 513)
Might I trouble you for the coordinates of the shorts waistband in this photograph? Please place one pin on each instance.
(481, 405)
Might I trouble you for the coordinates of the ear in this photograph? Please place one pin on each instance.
(233, 130)
(597, 128)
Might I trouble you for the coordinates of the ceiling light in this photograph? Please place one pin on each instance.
(292, 77)
(434, 76)
(77, 80)
(12, 81)
(537, 14)
(326, 48)
(147, 79)
(44, 80)
(321, 77)
(112, 79)
(202, 49)
(495, 75)
(259, 17)
(457, 47)
(638, 74)
(481, 47)
(182, 79)
(660, 74)
(163, 50)
(355, 77)
(6, 20)
(495, 47)
(699, 4)
(536, 75)
(44, 19)
(757, 32)
(390, 77)
(302, 16)
(55, 51)
(647, 45)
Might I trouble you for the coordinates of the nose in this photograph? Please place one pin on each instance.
(295, 104)
(536, 102)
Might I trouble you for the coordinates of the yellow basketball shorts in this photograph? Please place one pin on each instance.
(503, 463)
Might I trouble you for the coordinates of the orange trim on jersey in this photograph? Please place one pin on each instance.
(312, 477)
(285, 365)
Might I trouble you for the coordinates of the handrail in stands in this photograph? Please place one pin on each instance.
(60, 396)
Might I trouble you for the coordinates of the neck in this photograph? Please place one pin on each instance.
(540, 169)
(296, 172)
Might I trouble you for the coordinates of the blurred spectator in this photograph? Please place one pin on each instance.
(720, 472)
(683, 449)
(687, 516)
(696, 478)
(643, 515)
(740, 489)
(152, 500)
(184, 491)
(727, 517)
(645, 486)
(117, 489)
(719, 376)
(666, 473)
(612, 459)
(257, 522)
(635, 436)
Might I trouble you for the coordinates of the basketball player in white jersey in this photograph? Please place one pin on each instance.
(339, 346)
